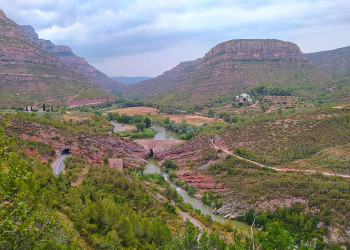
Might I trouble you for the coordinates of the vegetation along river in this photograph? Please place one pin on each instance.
(152, 167)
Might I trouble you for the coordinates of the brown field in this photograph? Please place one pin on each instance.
(136, 111)
(191, 119)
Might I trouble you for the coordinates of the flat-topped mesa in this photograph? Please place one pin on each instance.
(254, 50)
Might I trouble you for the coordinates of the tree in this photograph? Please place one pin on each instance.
(105, 160)
(147, 121)
(169, 165)
(166, 121)
(275, 237)
(140, 126)
(44, 106)
(191, 190)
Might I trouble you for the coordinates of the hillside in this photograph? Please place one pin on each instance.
(167, 81)
(30, 75)
(238, 65)
(130, 79)
(335, 62)
(66, 54)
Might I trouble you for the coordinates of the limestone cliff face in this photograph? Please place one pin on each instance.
(253, 49)
(66, 54)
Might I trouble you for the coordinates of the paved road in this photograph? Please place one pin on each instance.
(58, 165)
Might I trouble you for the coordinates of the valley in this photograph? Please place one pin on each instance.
(246, 147)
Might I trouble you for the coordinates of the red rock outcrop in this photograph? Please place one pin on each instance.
(94, 147)
(201, 181)
(183, 154)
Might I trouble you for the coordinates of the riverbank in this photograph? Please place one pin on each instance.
(152, 167)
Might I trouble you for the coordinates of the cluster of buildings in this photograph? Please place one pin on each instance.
(243, 98)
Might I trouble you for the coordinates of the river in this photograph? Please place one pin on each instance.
(152, 167)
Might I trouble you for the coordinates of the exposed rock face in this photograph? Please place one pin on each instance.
(66, 54)
(165, 82)
(93, 147)
(29, 74)
(260, 50)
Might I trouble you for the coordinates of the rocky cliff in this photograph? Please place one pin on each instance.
(167, 81)
(66, 54)
(238, 65)
(255, 50)
(29, 74)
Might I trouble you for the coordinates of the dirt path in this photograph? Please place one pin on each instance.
(70, 99)
(275, 168)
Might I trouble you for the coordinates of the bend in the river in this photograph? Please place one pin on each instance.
(153, 167)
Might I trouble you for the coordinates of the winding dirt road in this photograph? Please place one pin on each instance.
(277, 169)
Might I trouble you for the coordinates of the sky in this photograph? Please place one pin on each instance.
(148, 37)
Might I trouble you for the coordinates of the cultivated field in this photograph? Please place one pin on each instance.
(191, 119)
(136, 111)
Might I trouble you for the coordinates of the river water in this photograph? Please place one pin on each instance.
(152, 167)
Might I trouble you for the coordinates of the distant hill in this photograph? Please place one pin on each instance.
(167, 81)
(335, 62)
(233, 67)
(29, 74)
(66, 54)
(130, 79)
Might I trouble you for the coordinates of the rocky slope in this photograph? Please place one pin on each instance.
(238, 65)
(93, 147)
(29, 74)
(66, 54)
(335, 62)
(167, 81)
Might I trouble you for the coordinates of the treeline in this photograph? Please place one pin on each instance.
(184, 130)
(144, 122)
(265, 90)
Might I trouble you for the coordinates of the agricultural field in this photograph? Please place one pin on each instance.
(189, 118)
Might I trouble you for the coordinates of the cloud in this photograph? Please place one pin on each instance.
(101, 29)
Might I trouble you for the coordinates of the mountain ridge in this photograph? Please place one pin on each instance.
(66, 54)
(335, 62)
(232, 67)
(29, 74)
